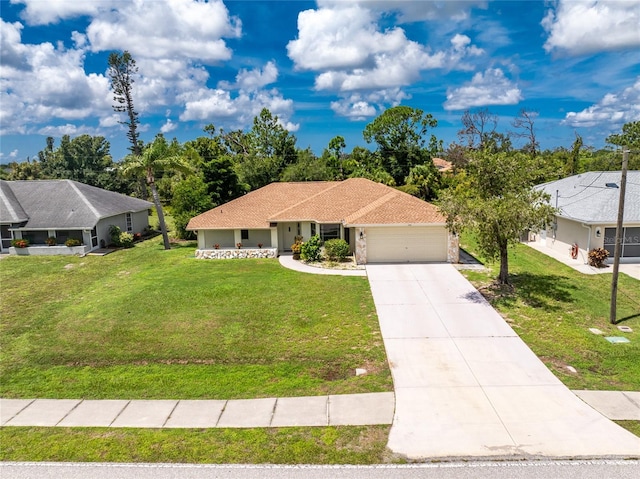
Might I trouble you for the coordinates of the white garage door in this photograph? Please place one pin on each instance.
(406, 244)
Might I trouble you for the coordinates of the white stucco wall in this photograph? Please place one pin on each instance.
(569, 232)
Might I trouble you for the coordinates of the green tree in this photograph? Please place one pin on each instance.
(400, 133)
(426, 179)
(264, 152)
(156, 158)
(190, 198)
(25, 170)
(629, 138)
(572, 165)
(122, 69)
(495, 199)
(363, 163)
(334, 157)
(308, 167)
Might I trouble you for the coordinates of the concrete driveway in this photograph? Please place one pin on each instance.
(467, 385)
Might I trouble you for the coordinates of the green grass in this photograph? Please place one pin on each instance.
(149, 323)
(552, 307)
(326, 445)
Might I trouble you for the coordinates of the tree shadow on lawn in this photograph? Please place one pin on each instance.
(546, 292)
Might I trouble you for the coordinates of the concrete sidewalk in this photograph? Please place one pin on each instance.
(334, 410)
(287, 261)
(338, 410)
(628, 266)
(467, 385)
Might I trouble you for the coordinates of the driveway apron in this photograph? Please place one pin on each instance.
(467, 385)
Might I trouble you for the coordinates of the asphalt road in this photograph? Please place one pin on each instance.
(595, 469)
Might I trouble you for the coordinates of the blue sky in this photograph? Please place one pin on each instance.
(326, 68)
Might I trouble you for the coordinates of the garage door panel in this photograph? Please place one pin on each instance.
(407, 244)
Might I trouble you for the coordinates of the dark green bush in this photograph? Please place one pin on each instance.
(336, 249)
(310, 251)
(114, 235)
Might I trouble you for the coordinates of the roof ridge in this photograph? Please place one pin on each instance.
(328, 188)
(84, 198)
(370, 207)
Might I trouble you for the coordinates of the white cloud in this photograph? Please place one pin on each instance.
(588, 26)
(39, 12)
(341, 38)
(359, 106)
(239, 103)
(168, 126)
(350, 52)
(167, 29)
(414, 11)
(488, 88)
(255, 79)
(613, 109)
(67, 129)
(43, 81)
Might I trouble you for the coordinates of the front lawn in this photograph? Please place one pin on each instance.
(148, 323)
(552, 307)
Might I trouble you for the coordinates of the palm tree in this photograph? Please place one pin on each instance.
(156, 157)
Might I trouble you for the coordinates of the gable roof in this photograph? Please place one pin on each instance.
(61, 204)
(593, 197)
(356, 201)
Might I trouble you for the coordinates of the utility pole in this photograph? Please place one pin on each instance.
(618, 245)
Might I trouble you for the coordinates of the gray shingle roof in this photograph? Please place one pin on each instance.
(62, 204)
(588, 199)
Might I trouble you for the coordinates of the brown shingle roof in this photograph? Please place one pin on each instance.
(442, 165)
(356, 201)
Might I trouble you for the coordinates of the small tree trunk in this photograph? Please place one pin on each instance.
(504, 263)
(163, 225)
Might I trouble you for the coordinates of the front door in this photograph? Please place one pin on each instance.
(289, 233)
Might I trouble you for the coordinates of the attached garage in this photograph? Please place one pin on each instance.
(406, 244)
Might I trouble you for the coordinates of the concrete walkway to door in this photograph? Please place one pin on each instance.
(467, 385)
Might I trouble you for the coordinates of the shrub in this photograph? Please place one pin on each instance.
(310, 251)
(336, 249)
(20, 243)
(597, 257)
(72, 242)
(51, 241)
(296, 247)
(126, 240)
(114, 235)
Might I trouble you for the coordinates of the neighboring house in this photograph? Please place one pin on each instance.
(381, 224)
(39, 209)
(588, 213)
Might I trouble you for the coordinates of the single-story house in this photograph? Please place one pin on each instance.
(588, 213)
(381, 224)
(39, 209)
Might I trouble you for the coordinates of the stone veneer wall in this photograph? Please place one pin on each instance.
(453, 248)
(236, 253)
